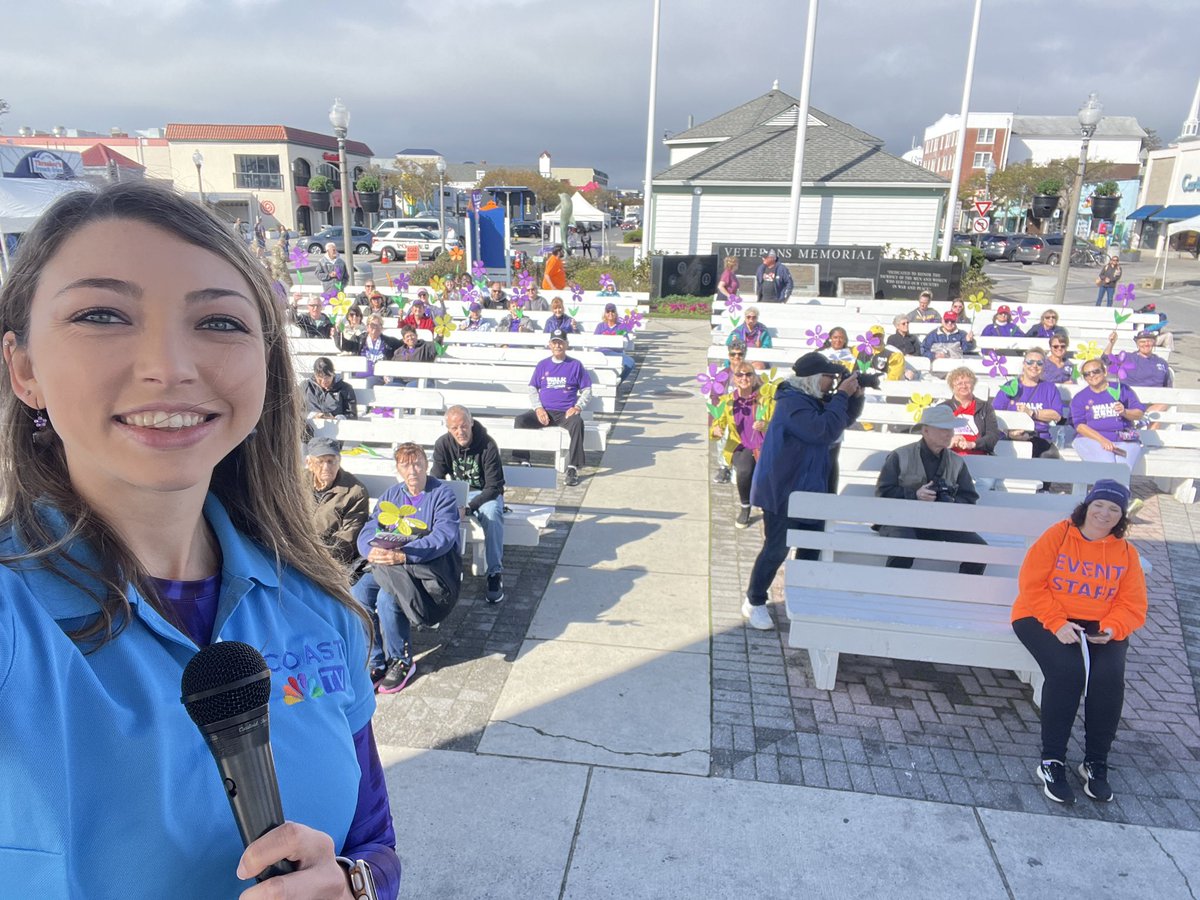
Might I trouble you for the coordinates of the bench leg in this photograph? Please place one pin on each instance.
(824, 664)
(478, 558)
(1185, 492)
(1035, 680)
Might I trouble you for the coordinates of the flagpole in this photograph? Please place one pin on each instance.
(647, 191)
(952, 198)
(810, 40)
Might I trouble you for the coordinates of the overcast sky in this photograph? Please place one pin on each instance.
(502, 80)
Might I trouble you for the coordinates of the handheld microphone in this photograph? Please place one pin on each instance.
(226, 690)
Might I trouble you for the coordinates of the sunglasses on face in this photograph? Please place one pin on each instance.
(1040, 363)
(1092, 372)
(737, 355)
(742, 374)
(1059, 346)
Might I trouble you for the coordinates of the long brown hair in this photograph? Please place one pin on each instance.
(258, 482)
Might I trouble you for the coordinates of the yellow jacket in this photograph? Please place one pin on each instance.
(727, 426)
(895, 365)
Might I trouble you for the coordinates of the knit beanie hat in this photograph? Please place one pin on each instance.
(1112, 491)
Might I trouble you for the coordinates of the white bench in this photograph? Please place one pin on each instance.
(837, 607)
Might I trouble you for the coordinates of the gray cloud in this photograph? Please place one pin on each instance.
(502, 80)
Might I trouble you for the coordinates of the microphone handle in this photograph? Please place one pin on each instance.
(247, 768)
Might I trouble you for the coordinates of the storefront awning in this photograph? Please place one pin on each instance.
(1143, 212)
(1176, 213)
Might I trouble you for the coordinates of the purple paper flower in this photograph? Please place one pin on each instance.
(867, 343)
(518, 294)
(1125, 293)
(299, 256)
(524, 279)
(633, 320)
(400, 282)
(576, 291)
(997, 364)
(607, 283)
(713, 380)
(329, 294)
(477, 269)
(1019, 315)
(816, 336)
(733, 304)
(1120, 366)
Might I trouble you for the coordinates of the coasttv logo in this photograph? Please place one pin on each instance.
(300, 687)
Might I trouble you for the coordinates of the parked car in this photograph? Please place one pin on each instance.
(527, 228)
(362, 239)
(392, 243)
(1000, 246)
(1041, 248)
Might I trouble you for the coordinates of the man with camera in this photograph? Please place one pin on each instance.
(812, 409)
(929, 471)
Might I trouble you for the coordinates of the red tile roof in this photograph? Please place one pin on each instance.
(261, 134)
(99, 156)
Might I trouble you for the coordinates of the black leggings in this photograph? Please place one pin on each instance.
(743, 464)
(1062, 666)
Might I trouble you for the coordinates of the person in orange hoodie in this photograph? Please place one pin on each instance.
(555, 277)
(1082, 594)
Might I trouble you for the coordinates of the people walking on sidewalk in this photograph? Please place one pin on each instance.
(1082, 593)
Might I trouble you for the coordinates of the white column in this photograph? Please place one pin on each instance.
(952, 199)
(802, 122)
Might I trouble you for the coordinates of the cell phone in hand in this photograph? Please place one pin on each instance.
(1119, 451)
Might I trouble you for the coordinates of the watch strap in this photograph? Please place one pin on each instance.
(359, 877)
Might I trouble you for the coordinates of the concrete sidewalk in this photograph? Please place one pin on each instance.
(613, 729)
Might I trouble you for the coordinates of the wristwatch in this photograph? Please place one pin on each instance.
(358, 874)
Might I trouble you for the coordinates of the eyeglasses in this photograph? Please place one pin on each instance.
(1092, 372)
(748, 318)
(737, 355)
(1040, 363)
(743, 374)
(1049, 318)
(1058, 346)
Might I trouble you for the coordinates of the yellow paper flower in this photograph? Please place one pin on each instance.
(437, 284)
(917, 404)
(1084, 352)
(443, 325)
(340, 304)
(977, 301)
(400, 516)
(456, 253)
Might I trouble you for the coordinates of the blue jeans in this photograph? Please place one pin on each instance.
(396, 629)
(774, 552)
(491, 517)
(1106, 291)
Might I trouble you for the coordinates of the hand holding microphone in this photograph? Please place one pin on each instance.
(226, 689)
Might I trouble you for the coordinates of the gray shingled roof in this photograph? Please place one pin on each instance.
(762, 109)
(766, 154)
(1058, 126)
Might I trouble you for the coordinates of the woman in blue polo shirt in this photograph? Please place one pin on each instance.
(153, 506)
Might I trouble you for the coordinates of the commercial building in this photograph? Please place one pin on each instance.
(729, 181)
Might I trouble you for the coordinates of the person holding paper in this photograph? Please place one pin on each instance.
(1082, 594)
(1105, 417)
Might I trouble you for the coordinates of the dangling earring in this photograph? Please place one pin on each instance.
(42, 435)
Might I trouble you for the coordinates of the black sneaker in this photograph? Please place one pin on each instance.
(399, 673)
(495, 588)
(1054, 781)
(377, 673)
(1095, 781)
(743, 517)
(571, 478)
(722, 476)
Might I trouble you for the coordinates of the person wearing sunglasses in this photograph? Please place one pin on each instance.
(1046, 327)
(743, 423)
(1038, 399)
(1058, 369)
(1105, 418)
(751, 332)
(902, 339)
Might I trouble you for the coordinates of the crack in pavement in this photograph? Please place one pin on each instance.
(1187, 884)
(666, 754)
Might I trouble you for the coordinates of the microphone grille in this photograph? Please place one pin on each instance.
(217, 665)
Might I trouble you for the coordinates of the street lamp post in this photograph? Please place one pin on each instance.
(1089, 118)
(198, 159)
(339, 118)
(441, 169)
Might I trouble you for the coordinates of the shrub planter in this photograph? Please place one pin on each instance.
(369, 200)
(319, 201)
(1105, 207)
(1044, 205)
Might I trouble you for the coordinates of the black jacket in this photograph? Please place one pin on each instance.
(908, 344)
(478, 464)
(337, 401)
(421, 351)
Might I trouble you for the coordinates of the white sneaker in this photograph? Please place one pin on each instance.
(758, 616)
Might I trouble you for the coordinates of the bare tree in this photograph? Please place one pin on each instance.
(4, 107)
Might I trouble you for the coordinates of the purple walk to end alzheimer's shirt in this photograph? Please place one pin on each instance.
(1041, 396)
(559, 383)
(1097, 409)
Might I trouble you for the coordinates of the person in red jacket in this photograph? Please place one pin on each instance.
(555, 277)
(419, 316)
(1082, 593)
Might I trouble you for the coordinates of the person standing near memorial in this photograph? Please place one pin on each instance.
(773, 282)
(727, 284)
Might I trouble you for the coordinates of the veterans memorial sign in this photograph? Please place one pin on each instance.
(900, 279)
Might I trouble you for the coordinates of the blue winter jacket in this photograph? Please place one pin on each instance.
(795, 452)
(937, 336)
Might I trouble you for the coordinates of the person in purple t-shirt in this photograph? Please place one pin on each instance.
(1059, 369)
(1002, 324)
(1149, 369)
(1105, 417)
(1038, 399)
(558, 391)
(1047, 327)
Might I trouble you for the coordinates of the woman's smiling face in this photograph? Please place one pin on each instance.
(147, 353)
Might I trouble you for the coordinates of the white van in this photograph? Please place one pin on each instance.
(421, 222)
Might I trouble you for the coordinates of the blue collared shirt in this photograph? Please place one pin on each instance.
(109, 787)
